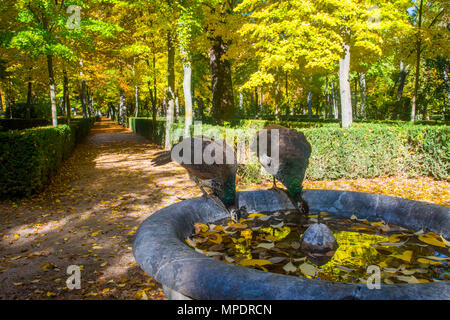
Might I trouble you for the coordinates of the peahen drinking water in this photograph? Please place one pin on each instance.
(293, 156)
(211, 164)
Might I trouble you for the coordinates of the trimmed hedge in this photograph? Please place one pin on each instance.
(29, 158)
(363, 151)
(21, 124)
(144, 127)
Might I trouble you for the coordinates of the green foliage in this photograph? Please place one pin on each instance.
(145, 128)
(29, 158)
(430, 151)
(366, 150)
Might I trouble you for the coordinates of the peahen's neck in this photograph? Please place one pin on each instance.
(229, 194)
(295, 190)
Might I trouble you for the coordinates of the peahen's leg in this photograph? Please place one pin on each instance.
(304, 208)
(274, 186)
(205, 193)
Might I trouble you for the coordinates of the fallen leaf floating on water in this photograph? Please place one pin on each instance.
(409, 272)
(431, 238)
(279, 225)
(268, 245)
(254, 262)
(215, 238)
(289, 267)
(437, 258)
(229, 259)
(447, 243)
(391, 244)
(257, 215)
(275, 260)
(405, 256)
(408, 279)
(428, 261)
(308, 269)
(344, 268)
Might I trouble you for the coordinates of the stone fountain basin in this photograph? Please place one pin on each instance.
(159, 248)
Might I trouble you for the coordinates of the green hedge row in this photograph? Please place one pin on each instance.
(20, 124)
(365, 150)
(29, 158)
(145, 128)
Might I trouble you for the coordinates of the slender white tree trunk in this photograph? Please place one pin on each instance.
(171, 88)
(241, 101)
(344, 86)
(446, 89)
(309, 103)
(136, 88)
(261, 99)
(52, 90)
(188, 109)
(83, 90)
(362, 87)
(122, 108)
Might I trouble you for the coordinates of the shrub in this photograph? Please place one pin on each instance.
(29, 158)
(145, 128)
(366, 150)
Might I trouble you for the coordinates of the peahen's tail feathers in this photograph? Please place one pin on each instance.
(162, 158)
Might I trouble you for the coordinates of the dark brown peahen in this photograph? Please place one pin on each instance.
(207, 169)
(293, 156)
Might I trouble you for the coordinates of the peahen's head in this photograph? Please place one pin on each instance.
(237, 214)
(302, 207)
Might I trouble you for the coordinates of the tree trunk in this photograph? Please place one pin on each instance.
(136, 89)
(177, 106)
(83, 91)
(153, 95)
(335, 102)
(355, 93)
(418, 53)
(122, 107)
(241, 101)
(344, 86)
(446, 88)
(261, 99)
(187, 79)
(221, 83)
(287, 92)
(404, 69)
(171, 87)
(252, 99)
(362, 88)
(309, 100)
(66, 98)
(122, 102)
(1, 104)
(29, 93)
(51, 78)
